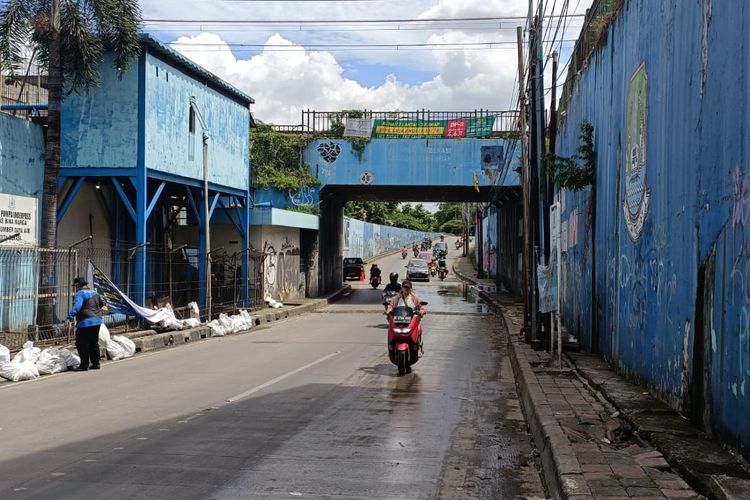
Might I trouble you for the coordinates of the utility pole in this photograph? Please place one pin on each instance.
(524, 183)
(537, 181)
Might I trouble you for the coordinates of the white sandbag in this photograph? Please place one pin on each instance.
(28, 353)
(115, 351)
(171, 320)
(127, 345)
(4, 354)
(71, 359)
(247, 317)
(195, 313)
(238, 324)
(191, 322)
(50, 361)
(104, 336)
(225, 321)
(217, 329)
(15, 372)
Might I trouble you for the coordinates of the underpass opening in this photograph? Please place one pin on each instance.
(505, 200)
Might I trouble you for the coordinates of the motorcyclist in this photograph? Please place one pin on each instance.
(408, 298)
(394, 285)
(403, 251)
(374, 271)
(441, 262)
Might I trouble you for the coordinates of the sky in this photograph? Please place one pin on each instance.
(309, 54)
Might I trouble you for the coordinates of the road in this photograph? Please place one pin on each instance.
(309, 407)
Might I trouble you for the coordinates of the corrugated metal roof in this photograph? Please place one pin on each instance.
(191, 67)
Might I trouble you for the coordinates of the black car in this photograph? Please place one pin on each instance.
(417, 269)
(353, 267)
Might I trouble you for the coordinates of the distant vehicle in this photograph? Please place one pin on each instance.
(426, 255)
(353, 267)
(417, 269)
(439, 247)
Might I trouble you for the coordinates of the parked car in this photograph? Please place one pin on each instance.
(417, 270)
(353, 267)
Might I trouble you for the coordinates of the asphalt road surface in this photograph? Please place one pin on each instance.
(309, 407)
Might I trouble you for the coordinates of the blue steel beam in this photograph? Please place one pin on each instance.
(155, 199)
(140, 181)
(97, 172)
(123, 197)
(213, 206)
(245, 221)
(197, 183)
(196, 212)
(69, 198)
(229, 216)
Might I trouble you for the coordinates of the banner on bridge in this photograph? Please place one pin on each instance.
(449, 129)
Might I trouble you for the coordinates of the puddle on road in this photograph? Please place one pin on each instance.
(459, 298)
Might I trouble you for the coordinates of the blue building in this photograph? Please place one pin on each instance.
(132, 173)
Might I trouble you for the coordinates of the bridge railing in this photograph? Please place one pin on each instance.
(506, 122)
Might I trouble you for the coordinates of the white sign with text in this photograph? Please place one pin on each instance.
(17, 220)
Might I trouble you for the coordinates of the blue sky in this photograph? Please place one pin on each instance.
(295, 66)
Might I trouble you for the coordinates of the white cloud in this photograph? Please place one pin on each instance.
(284, 82)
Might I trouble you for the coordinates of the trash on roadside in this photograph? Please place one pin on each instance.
(230, 324)
(15, 372)
(273, 303)
(50, 361)
(127, 345)
(71, 359)
(104, 335)
(4, 354)
(27, 353)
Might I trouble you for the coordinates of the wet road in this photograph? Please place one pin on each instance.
(307, 408)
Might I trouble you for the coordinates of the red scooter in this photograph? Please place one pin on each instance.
(404, 337)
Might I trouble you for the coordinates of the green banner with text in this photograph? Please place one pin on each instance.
(449, 129)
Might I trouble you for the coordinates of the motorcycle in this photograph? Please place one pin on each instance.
(403, 254)
(433, 269)
(416, 252)
(442, 273)
(459, 244)
(404, 337)
(374, 281)
(388, 296)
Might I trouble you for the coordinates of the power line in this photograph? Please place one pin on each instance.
(352, 45)
(337, 21)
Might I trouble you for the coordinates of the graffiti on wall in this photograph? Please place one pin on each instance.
(637, 193)
(281, 271)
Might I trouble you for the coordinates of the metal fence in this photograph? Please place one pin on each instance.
(36, 292)
(506, 122)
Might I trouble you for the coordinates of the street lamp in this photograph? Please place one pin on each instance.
(206, 210)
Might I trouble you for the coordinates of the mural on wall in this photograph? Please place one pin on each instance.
(492, 162)
(308, 196)
(281, 276)
(637, 193)
(489, 244)
(364, 239)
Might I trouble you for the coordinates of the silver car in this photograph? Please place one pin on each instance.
(417, 270)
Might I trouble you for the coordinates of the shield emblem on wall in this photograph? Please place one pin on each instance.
(635, 206)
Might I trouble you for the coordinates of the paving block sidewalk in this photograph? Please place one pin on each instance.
(587, 449)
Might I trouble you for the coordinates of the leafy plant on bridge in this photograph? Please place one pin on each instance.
(359, 144)
(277, 160)
(578, 171)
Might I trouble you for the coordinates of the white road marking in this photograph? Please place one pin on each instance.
(279, 378)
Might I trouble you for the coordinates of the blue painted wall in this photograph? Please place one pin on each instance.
(168, 143)
(21, 157)
(100, 127)
(365, 239)
(647, 305)
(21, 174)
(435, 162)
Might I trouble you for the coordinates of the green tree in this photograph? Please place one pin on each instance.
(70, 38)
(448, 213)
(277, 160)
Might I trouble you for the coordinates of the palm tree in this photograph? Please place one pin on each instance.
(70, 38)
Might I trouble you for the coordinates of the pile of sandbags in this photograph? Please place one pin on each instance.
(231, 324)
(31, 362)
(180, 324)
(117, 346)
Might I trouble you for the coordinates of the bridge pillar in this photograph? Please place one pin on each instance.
(331, 244)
